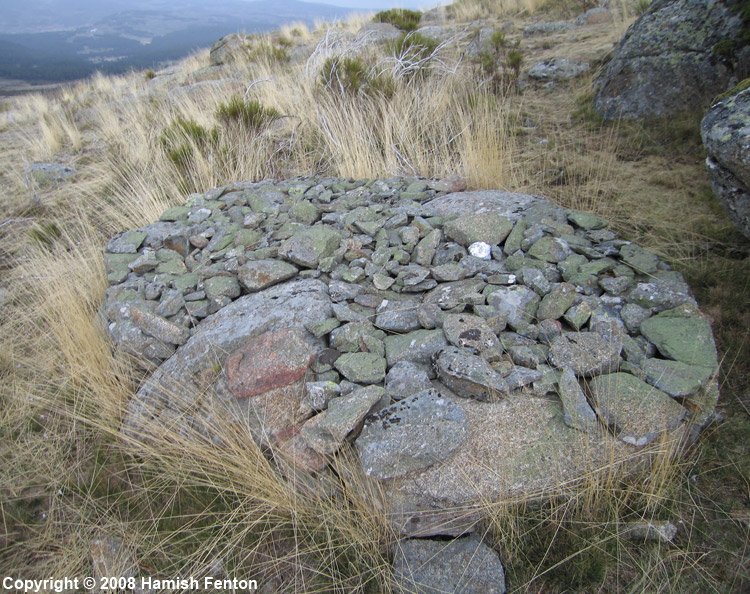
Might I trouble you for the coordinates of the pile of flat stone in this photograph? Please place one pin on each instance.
(470, 345)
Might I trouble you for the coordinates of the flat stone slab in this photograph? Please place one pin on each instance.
(180, 381)
(412, 434)
(261, 274)
(686, 339)
(676, 378)
(638, 412)
(271, 360)
(586, 353)
(462, 566)
(519, 446)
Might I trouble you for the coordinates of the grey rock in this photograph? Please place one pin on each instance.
(405, 379)
(556, 69)
(398, 316)
(175, 385)
(469, 376)
(307, 247)
(594, 16)
(473, 333)
(676, 378)
(586, 353)
(156, 326)
(261, 274)
(325, 433)
(361, 368)
(521, 376)
(638, 412)
(48, 174)
(725, 135)
(664, 292)
(450, 295)
(633, 316)
(557, 302)
(548, 28)
(518, 302)
(412, 434)
(416, 347)
(686, 339)
(350, 337)
(227, 48)
(578, 412)
(665, 63)
(467, 229)
(461, 566)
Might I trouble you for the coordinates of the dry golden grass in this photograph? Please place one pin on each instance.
(181, 503)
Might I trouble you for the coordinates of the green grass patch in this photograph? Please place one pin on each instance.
(251, 115)
(406, 20)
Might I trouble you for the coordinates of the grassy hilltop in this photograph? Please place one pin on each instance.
(327, 102)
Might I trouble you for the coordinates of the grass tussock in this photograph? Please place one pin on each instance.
(184, 504)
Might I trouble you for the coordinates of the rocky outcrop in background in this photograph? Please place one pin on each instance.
(726, 136)
(677, 56)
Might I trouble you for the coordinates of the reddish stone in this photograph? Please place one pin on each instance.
(271, 360)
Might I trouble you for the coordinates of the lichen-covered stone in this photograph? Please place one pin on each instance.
(725, 133)
(412, 434)
(665, 64)
(686, 339)
(638, 412)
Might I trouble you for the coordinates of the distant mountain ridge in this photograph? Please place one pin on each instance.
(54, 41)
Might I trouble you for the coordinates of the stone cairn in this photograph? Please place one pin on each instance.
(470, 346)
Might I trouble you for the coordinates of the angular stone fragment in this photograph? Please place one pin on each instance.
(158, 327)
(221, 286)
(425, 250)
(586, 221)
(350, 337)
(639, 259)
(638, 412)
(259, 274)
(361, 368)
(578, 315)
(469, 376)
(520, 377)
(398, 316)
(664, 292)
(325, 433)
(319, 329)
(586, 353)
(550, 249)
(272, 360)
(683, 339)
(518, 302)
(416, 347)
(307, 247)
(461, 566)
(578, 412)
(450, 295)
(127, 242)
(473, 333)
(411, 434)
(557, 302)
(633, 316)
(451, 271)
(405, 379)
(674, 377)
(490, 228)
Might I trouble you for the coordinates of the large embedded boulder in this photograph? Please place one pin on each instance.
(676, 57)
(726, 136)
